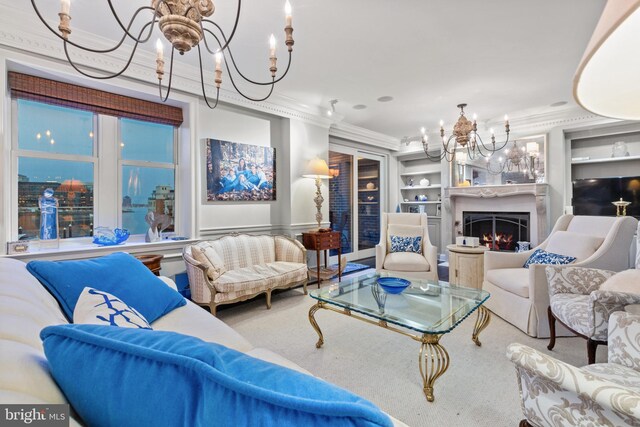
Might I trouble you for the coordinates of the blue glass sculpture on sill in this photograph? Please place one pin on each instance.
(105, 236)
(49, 236)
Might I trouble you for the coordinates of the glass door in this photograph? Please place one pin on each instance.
(355, 200)
(369, 202)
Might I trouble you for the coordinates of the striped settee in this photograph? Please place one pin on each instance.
(237, 267)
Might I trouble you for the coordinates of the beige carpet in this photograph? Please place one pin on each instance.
(479, 388)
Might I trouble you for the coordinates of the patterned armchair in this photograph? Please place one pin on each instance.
(554, 393)
(577, 302)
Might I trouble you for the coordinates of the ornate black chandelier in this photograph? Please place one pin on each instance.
(186, 25)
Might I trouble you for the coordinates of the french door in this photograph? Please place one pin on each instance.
(356, 199)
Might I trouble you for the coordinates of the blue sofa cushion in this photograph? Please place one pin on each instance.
(540, 256)
(119, 274)
(123, 376)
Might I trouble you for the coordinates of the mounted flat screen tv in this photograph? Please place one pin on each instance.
(594, 196)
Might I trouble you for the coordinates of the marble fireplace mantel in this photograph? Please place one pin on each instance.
(532, 198)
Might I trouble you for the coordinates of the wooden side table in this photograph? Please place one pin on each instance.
(319, 241)
(153, 262)
(466, 265)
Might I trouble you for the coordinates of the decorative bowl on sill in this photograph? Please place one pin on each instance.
(393, 285)
(105, 236)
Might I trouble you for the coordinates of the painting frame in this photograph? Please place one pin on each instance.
(239, 172)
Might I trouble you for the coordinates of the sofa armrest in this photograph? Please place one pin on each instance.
(547, 383)
(431, 254)
(198, 279)
(568, 279)
(495, 260)
(624, 348)
(290, 250)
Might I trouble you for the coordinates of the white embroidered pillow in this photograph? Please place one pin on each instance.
(207, 256)
(625, 281)
(96, 307)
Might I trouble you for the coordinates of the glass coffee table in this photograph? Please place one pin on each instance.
(424, 311)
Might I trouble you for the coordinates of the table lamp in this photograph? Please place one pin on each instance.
(319, 170)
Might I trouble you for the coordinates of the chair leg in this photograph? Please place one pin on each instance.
(524, 423)
(269, 299)
(212, 308)
(552, 329)
(591, 351)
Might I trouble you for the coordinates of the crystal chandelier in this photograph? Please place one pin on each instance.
(464, 138)
(186, 25)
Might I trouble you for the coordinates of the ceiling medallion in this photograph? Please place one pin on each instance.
(185, 24)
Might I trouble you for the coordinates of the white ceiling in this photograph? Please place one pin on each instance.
(498, 56)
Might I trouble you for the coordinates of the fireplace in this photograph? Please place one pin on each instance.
(499, 231)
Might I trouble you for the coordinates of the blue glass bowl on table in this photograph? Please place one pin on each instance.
(393, 285)
(105, 236)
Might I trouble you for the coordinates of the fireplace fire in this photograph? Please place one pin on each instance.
(499, 231)
(498, 241)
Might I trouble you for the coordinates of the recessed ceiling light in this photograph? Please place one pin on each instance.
(385, 99)
(558, 104)
(359, 107)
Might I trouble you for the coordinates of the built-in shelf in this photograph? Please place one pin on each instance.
(370, 215)
(428, 202)
(420, 173)
(365, 190)
(367, 176)
(604, 160)
(420, 187)
(367, 203)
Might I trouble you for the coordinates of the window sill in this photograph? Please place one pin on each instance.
(84, 248)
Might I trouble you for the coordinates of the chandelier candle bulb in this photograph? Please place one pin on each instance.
(218, 79)
(65, 6)
(159, 50)
(287, 12)
(272, 46)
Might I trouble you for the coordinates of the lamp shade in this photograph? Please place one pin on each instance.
(317, 168)
(533, 148)
(606, 82)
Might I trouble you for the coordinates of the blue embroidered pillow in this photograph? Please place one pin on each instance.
(101, 308)
(543, 257)
(406, 244)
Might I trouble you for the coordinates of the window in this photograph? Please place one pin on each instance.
(147, 152)
(57, 147)
(55, 150)
(110, 159)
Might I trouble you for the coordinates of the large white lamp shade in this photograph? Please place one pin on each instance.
(607, 82)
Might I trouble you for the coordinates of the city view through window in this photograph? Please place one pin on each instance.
(57, 150)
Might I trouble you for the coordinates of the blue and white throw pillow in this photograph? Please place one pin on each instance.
(406, 244)
(540, 256)
(96, 307)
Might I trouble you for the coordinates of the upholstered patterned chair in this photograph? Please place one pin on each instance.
(422, 265)
(521, 295)
(578, 303)
(554, 393)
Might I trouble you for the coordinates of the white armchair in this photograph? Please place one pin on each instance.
(521, 296)
(557, 394)
(406, 264)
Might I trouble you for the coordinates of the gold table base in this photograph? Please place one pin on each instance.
(433, 358)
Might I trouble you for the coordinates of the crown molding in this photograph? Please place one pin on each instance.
(24, 32)
(544, 122)
(355, 133)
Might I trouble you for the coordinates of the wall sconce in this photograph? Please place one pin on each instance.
(318, 170)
